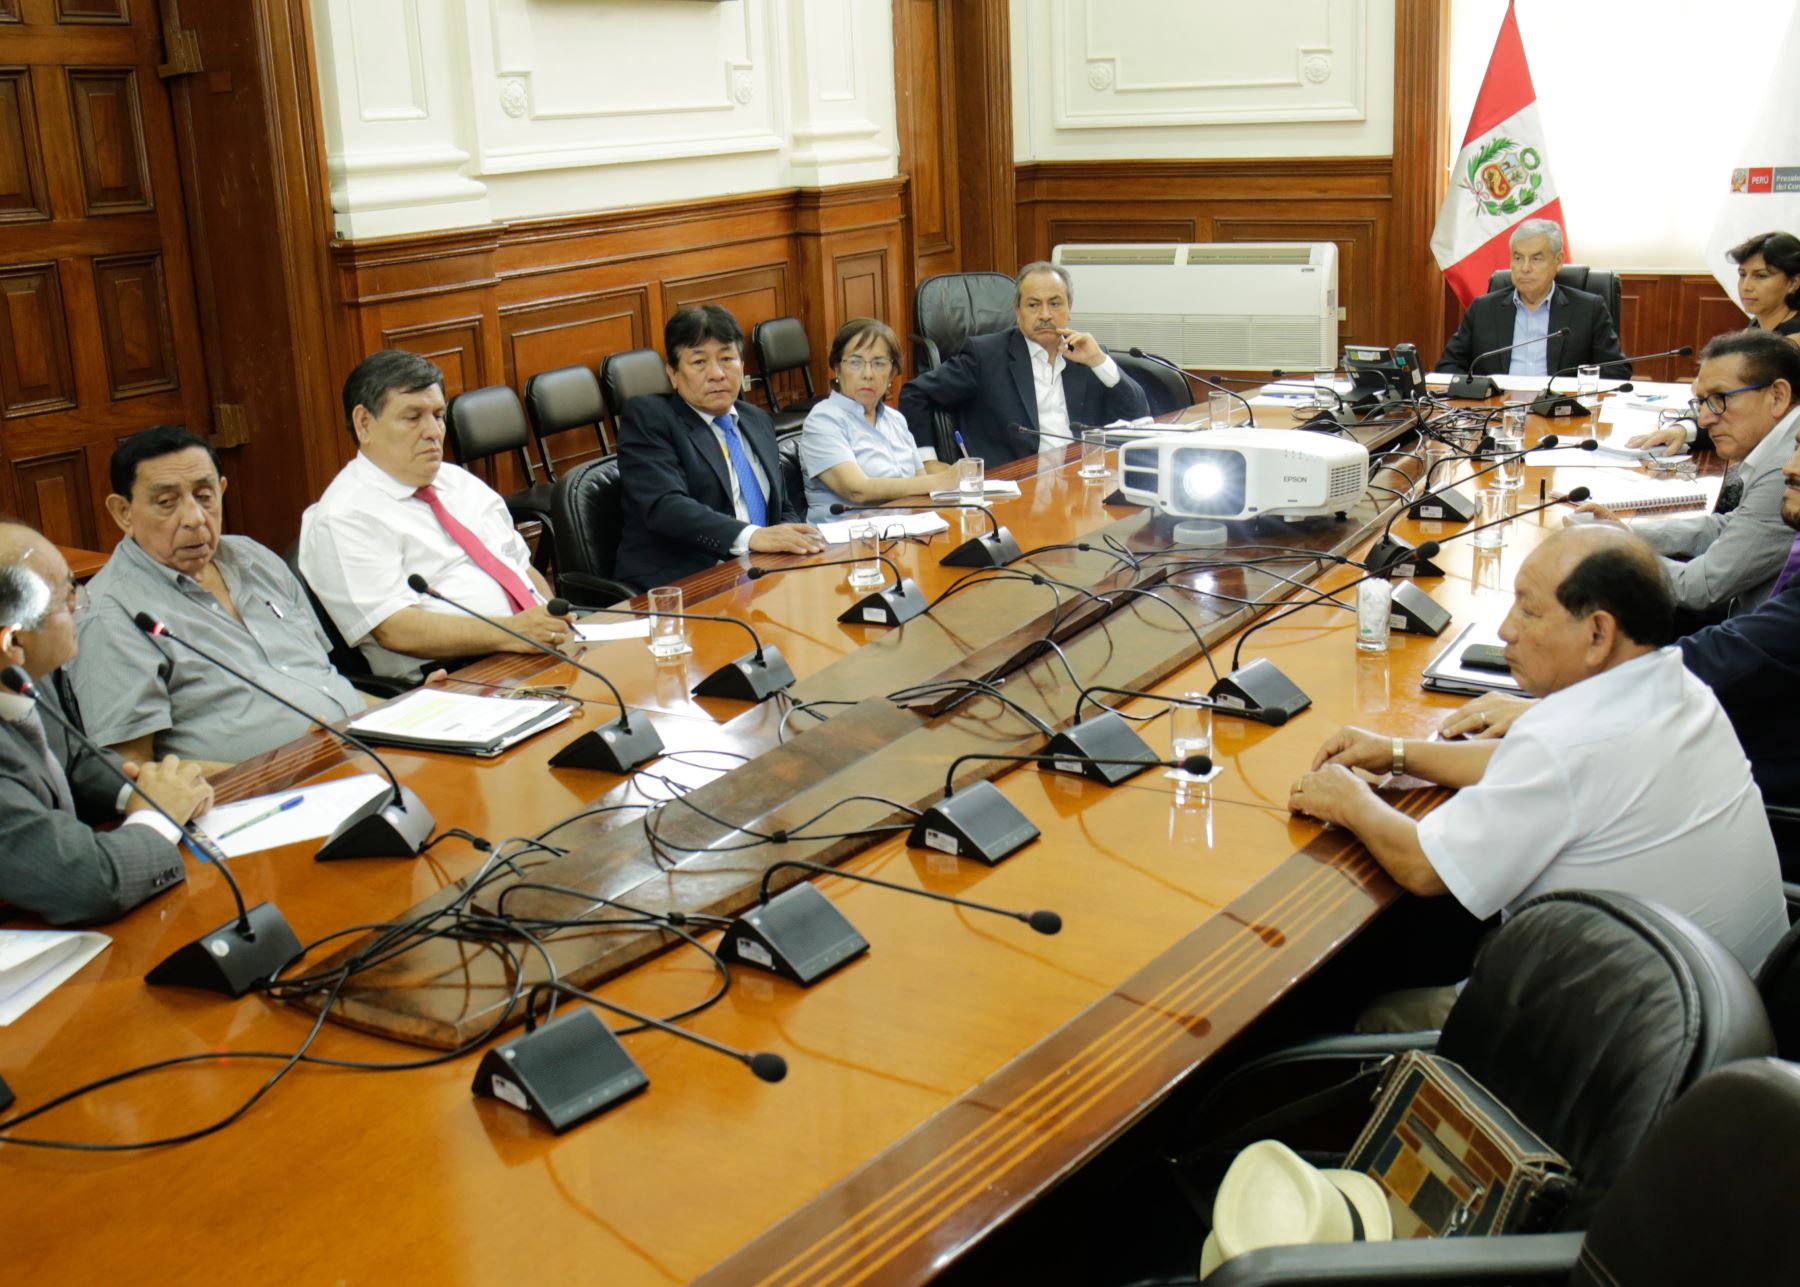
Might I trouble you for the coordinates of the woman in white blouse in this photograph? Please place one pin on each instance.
(855, 449)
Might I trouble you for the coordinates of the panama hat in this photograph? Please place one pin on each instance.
(1272, 1197)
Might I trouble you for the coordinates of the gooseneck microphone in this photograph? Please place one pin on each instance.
(891, 605)
(237, 956)
(1394, 556)
(1550, 403)
(617, 748)
(1197, 379)
(995, 550)
(750, 678)
(1474, 385)
(767, 1066)
(1042, 921)
(1575, 496)
(395, 824)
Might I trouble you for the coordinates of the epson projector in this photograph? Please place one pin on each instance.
(1230, 474)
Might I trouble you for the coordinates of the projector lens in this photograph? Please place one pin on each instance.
(1202, 480)
(1207, 482)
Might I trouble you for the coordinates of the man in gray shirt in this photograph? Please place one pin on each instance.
(231, 596)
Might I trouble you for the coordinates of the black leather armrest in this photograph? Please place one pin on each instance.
(1522, 1258)
(585, 587)
(925, 356)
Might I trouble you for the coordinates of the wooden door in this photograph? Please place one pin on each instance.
(97, 323)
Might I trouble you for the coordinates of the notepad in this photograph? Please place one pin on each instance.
(431, 719)
(1645, 495)
(34, 963)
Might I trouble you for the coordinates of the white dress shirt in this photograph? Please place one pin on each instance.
(1052, 399)
(1631, 781)
(368, 533)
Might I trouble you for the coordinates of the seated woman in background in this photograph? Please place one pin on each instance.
(1769, 281)
(855, 448)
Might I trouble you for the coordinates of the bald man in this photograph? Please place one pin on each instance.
(1626, 776)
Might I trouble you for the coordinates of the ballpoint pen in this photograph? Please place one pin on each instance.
(262, 817)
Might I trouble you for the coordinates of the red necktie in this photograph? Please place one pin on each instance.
(518, 594)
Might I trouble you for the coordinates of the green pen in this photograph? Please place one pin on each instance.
(262, 817)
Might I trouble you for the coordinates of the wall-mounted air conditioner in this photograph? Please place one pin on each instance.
(1236, 306)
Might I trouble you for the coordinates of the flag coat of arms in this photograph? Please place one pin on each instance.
(1500, 178)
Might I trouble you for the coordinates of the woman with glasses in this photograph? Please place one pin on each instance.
(1769, 281)
(855, 449)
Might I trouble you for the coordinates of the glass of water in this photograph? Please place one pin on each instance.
(1587, 381)
(970, 477)
(1493, 505)
(1190, 731)
(1218, 410)
(1374, 606)
(1509, 447)
(668, 635)
(1325, 388)
(1093, 454)
(865, 546)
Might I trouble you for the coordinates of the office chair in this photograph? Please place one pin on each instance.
(484, 423)
(1165, 389)
(347, 661)
(950, 307)
(563, 399)
(628, 375)
(781, 346)
(590, 516)
(793, 473)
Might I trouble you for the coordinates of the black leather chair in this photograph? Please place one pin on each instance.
(627, 375)
(793, 474)
(1165, 389)
(484, 423)
(348, 661)
(566, 398)
(590, 515)
(1603, 282)
(781, 346)
(1707, 1198)
(1779, 982)
(1588, 1014)
(950, 307)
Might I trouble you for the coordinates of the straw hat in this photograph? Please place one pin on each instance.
(1272, 1197)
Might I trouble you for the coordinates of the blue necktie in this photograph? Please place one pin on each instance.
(756, 509)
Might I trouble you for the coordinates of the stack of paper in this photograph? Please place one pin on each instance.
(432, 719)
(34, 963)
(887, 526)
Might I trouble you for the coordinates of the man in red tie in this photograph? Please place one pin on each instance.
(399, 508)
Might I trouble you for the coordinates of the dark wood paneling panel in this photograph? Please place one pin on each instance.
(92, 11)
(136, 338)
(752, 294)
(572, 331)
(1068, 232)
(862, 283)
(22, 194)
(53, 497)
(1420, 162)
(9, 10)
(1359, 243)
(35, 372)
(109, 140)
(925, 96)
(455, 345)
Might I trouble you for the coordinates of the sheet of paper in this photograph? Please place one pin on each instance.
(601, 631)
(990, 487)
(34, 963)
(1609, 454)
(242, 827)
(1523, 383)
(450, 717)
(887, 526)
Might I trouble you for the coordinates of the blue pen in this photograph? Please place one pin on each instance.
(961, 446)
(264, 816)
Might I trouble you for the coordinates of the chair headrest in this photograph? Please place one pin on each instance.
(953, 306)
(564, 398)
(483, 422)
(781, 344)
(631, 374)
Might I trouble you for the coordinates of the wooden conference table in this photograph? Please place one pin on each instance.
(936, 1085)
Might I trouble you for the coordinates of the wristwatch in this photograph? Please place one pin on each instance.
(1399, 767)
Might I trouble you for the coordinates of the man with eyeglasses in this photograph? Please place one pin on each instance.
(53, 790)
(700, 476)
(1724, 563)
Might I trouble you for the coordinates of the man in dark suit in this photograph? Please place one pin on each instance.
(52, 863)
(1535, 308)
(700, 476)
(1009, 391)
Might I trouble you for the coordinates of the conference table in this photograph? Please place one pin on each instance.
(936, 1085)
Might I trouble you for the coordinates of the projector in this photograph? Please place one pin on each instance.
(1227, 474)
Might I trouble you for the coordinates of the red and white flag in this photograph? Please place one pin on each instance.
(1500, 178)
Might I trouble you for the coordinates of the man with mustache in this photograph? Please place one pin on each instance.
(1010, 391)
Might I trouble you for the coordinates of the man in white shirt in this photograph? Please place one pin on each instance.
(1011, 391)
(1627, 776)
(399, 508)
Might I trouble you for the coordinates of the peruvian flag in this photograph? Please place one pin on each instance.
(1500, 178)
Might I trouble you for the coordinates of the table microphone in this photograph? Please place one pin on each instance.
(750, 678)
(801, 935)
(891, 605)
(236, 957)
(617, 748)
(1471, 385)
(1197, 379)
(395, 824)
(567, 1070)
(1550, 403)
(1395, 556)
(995, 550)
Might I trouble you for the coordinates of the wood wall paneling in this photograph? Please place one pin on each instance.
(572, 331)
(109, 140)
(22, 193)
(93, 11)
(925, 99)
(137, 341)
(53, 493)
(35, 371)
(455, 345)
(1420, 163)
(9, 11)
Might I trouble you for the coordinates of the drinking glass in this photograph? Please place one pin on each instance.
(1374, 606)
(1190, 732)
(1218, 410)
(865, 545)
(1492, 506)
(1511, 474)
(970, 478)
(1093, 454)
(668, 635)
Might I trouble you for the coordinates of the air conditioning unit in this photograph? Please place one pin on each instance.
(1236, 306)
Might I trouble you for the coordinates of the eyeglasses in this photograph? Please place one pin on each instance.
(1717, 402)
(880, 366)
(76, 600)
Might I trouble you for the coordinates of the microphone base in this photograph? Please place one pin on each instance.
(1478, 387)
(977, 822)
(1107, 736)
(1449, 505)
(565, 1072)
(1560, 404)
(747, 679)
(1259, 691)
(799, 934)
(612, 749)
(1332, 420)
(6, 1095)
(889, 606)
(1415, 612)
(995, 550)
(1395, 556)
(382, 828)
(224, 960)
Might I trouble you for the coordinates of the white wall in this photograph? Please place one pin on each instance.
(1100, 79)
(1644, 107)
(454, 113)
